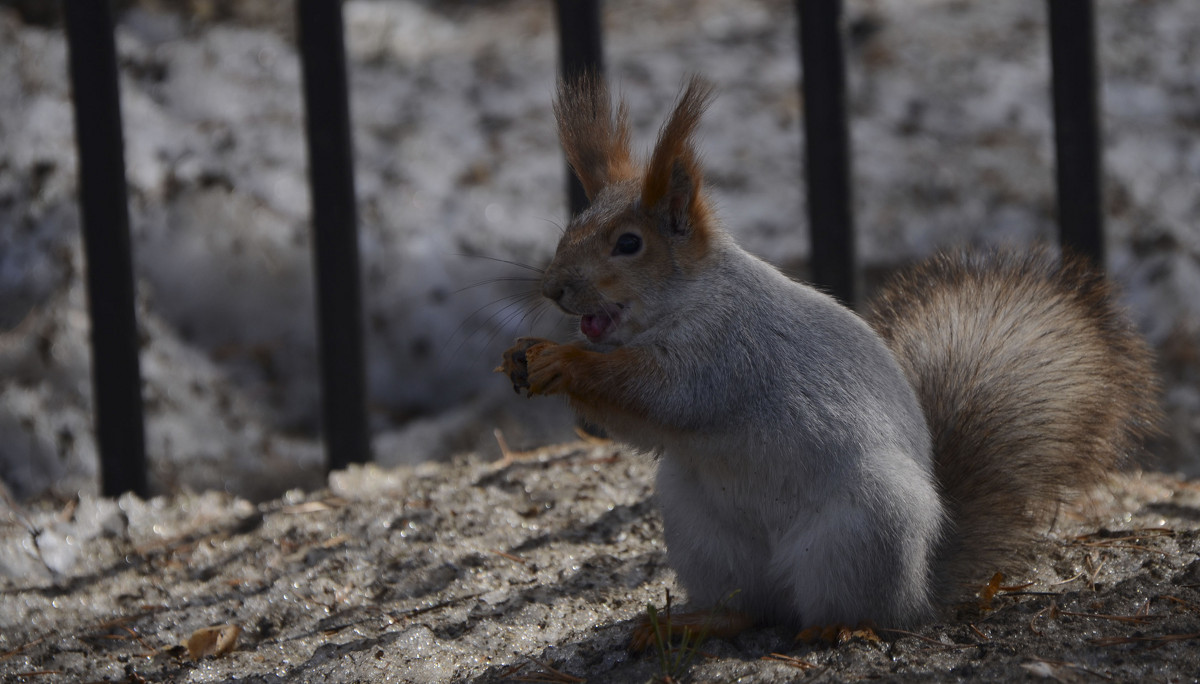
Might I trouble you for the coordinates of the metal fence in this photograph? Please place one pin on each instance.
(117, 401)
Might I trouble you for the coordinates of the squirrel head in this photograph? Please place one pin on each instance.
(648, 227)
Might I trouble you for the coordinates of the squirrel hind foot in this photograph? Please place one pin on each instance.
(693, 628)
(838, 634)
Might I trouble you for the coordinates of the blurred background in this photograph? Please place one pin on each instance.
(457, 166)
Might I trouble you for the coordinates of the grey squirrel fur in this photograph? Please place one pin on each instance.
(828, 468)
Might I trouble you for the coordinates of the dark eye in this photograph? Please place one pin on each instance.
(628, 243)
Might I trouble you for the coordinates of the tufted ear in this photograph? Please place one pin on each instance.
(595, 141)
(671, 189)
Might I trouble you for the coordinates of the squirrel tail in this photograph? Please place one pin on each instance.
(1035, 386)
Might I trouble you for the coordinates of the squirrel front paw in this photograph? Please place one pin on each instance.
(515, 363)
(533, 365)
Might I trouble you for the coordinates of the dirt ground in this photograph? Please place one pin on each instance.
(536, 570)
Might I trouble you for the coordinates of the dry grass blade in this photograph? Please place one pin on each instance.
(96, 627)
(1049, 612)
(1078, 575)
(1151, 641)
(1176, 599)
(512, 670)
(1099, 541)
(792, 661)
(589, 438)
(510, 456)
(507, 455)
(1132, 535)
(509, 556)
(1130, 547)
(549, 675)
(29, 644)
(421, 610)
(1136, 619)
(137, 637)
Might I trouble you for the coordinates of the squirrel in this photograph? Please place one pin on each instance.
(816, 467)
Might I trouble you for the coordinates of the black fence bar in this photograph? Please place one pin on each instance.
(104, 213)
(335, 232)
(826, 148)
(581, 51)
(1077, 126)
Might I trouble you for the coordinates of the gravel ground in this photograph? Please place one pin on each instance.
(536, 570)
(456, 155)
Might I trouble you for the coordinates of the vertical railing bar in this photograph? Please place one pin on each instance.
(826, 148)
(104, 214)
(1078, 162)
(581, 51)
(335, 232)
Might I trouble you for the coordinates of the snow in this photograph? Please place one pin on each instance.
(457, 164)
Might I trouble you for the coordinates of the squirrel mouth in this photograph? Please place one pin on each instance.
(598, 325)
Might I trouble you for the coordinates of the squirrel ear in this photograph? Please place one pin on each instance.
(671, 188)
(595, 141)
(674, 209)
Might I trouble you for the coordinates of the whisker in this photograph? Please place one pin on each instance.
(501, 261)
(515, 300)
(538, 314)
(493, 281)
(512, 299)
(561, 228)
(504, 323)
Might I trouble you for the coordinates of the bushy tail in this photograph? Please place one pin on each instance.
(1035, 386)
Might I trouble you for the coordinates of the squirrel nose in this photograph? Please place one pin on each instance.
(552, 289)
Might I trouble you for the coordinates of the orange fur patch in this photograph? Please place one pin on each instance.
(595, 140)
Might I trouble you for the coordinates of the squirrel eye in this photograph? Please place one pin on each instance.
(628, 243)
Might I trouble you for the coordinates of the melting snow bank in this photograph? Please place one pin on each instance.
(476, 572)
